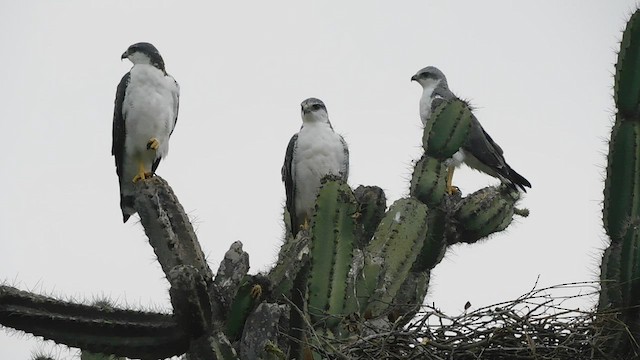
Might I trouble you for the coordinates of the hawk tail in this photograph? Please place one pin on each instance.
(517, 180)
(126, 204)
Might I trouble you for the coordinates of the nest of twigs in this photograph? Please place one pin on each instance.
(537, 325)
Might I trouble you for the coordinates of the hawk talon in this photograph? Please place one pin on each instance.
(452, 190)
(256, 292)
(153, 144)
(305, 225)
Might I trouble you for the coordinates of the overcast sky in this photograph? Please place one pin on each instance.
(539, 73)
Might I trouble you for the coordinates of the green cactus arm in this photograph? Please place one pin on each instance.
(332, 241)
(372, 204)
(429, 181)
(447, 128)
(627, 78)
(622, 185)
(168, 227)
(102, 330)
(391, 254)
(482, 213)
(251, 292)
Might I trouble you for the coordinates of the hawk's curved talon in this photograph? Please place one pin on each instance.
(141, 175)
(305, 225)
(153, 144)
(256, 292)
(451, 190)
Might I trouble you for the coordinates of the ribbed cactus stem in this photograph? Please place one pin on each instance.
(372, 204)
(435, 245)
(332, 241)
(447, 128)
(627, 79)
(622, 186)
(97, 329)
(429, 180)
(482, 213)
(620, 269)
(391, 254)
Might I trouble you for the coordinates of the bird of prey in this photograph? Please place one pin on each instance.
(145, 114)
(479, 152)
(314, 152)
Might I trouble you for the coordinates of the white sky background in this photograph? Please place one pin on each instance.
(539, 73)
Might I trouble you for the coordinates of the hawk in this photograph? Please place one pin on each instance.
(313, 153)
(145, 114)
(479, 152)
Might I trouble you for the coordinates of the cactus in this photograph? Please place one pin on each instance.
(482, 213)
(620, 269)
(447, 128)
(429, 181)
(332, 241)
(372, 204)
(391, 254)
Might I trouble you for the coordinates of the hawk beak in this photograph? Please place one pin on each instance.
(124, 55)
(414, 78)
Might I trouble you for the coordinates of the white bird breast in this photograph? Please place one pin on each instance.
(149, 110)
(319, 152)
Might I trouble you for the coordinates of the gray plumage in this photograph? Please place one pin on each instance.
(479, 152)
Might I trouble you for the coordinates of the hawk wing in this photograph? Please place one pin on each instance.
(119, 129)
(176, 106)
(344, 172)
(288, 179)
(482, 147)
(176, 103)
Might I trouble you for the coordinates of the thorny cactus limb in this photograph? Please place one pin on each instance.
(197, 323)
(447, 128)
(481, 214)
(390, 255)
(231, 273)
(251, 292)
(429, 181)
(263, 337)
(333, 230)
(620, 269)
(97, 329)
(372, 204)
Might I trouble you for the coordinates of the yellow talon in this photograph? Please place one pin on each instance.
(153, 144)
(141, 173)
(305, 225)
(450, 188)
(256, 291)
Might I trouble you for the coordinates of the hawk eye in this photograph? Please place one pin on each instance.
(315, 106)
